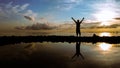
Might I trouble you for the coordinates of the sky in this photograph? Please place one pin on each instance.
(26, 12)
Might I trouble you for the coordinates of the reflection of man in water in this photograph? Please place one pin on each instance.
(78, 26)
(78, 50)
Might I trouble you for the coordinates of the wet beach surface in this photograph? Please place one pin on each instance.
(52, 55)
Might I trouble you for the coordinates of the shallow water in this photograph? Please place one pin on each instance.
(52, 55)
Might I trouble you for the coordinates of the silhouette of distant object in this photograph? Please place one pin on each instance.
(78, 51)
(78, 22)
(94, 35)
(94, 38)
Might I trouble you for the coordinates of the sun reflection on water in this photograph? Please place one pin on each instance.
(105, 46)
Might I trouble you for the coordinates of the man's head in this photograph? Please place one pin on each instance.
(77, 20)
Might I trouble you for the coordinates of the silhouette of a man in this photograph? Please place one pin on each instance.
(78, 26)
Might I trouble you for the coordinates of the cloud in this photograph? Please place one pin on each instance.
(30, 18)
(71, 25)
(12, 13)
(37, 26)
(30, 13)
(66, 25)
(67, 4)
(118, 18)
(20, 27)
(72, 1)
(85, 25)
(23, 7)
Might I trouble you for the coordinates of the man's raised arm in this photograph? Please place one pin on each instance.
(73, 19)
(82, 20)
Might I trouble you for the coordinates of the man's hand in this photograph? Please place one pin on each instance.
(72, 17)
(83, 17)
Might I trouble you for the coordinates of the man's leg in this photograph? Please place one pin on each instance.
(79, 33)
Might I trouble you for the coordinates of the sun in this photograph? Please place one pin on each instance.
(104, 34)
(104, 15)
(105, 23)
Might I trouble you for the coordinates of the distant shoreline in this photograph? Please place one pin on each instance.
(4, 40)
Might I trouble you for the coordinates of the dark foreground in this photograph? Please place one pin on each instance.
(26, 39)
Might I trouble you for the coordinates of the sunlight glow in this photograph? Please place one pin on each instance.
(105, 23)
(105, 46)
(104, 34)
(104, 15)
